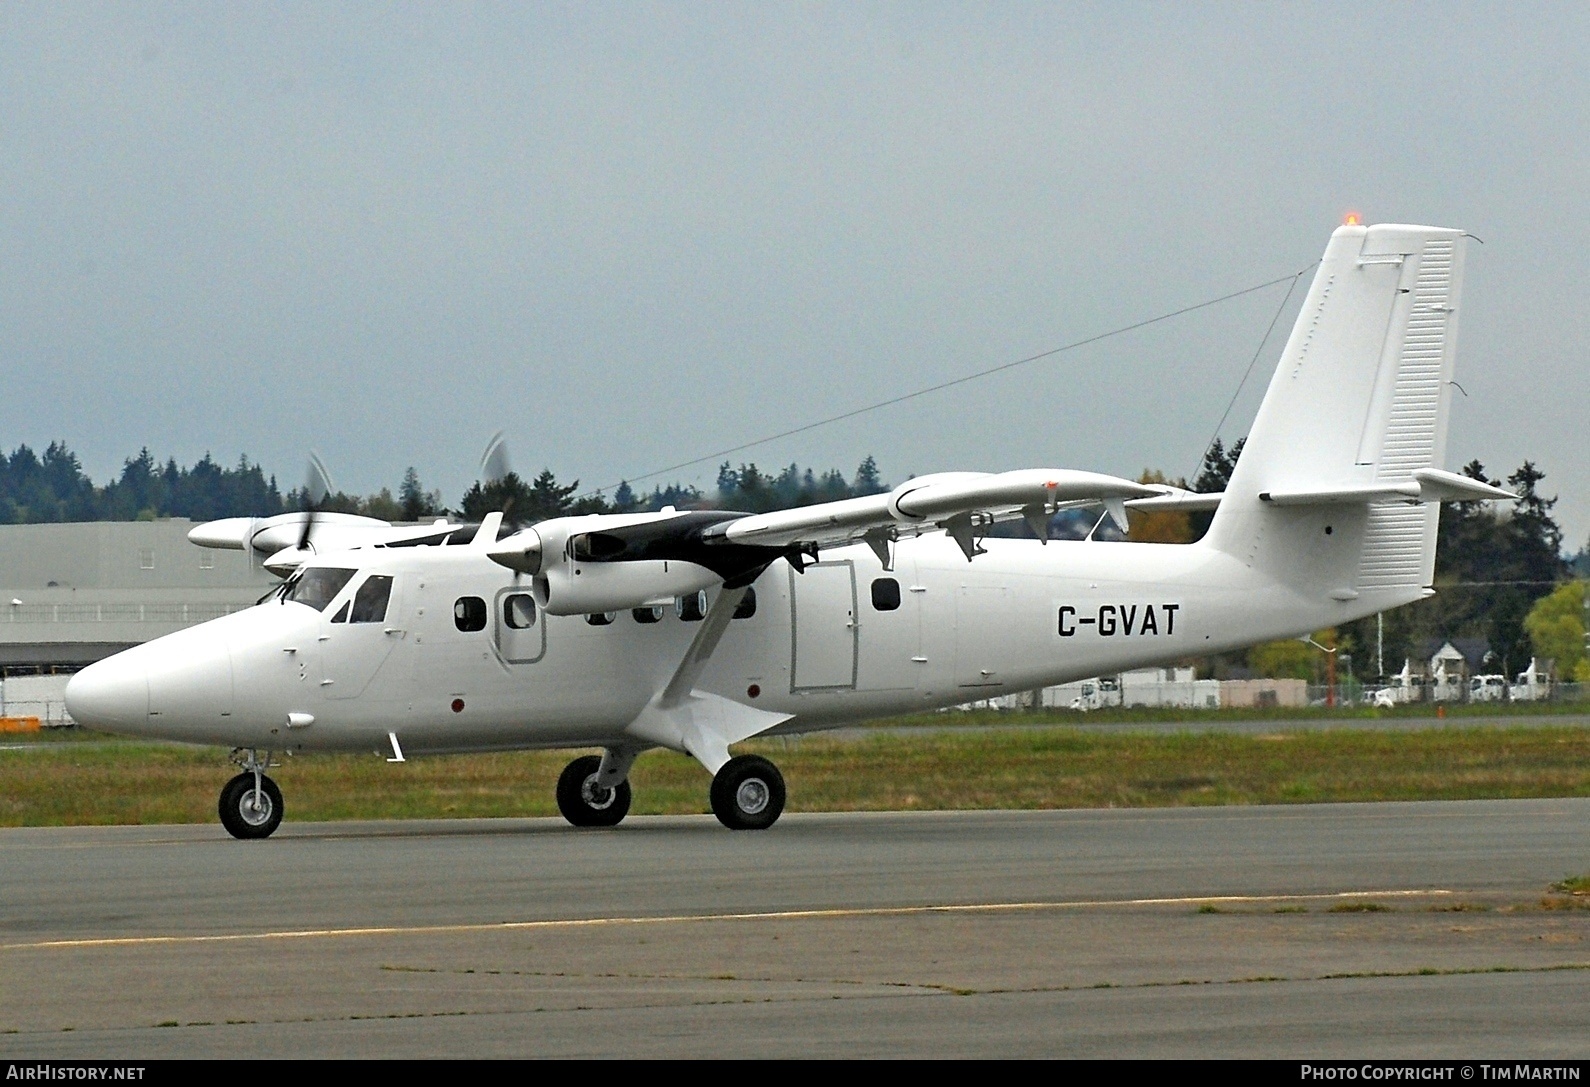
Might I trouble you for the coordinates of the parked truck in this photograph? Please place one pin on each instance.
(1534, 682)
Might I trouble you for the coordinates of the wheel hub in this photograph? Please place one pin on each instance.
(255, 807)
(752, 796)
(595, 796)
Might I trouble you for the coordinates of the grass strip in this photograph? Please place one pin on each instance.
(129, 782)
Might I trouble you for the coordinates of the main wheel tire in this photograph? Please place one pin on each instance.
(242, 816)
(581, 803)
(748, 793)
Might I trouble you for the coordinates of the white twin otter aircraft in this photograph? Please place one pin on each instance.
(696, 630)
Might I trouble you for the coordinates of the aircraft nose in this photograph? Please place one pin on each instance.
(112, 694)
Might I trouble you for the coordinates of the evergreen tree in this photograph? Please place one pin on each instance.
(417, 504)
(1492, 563)
(867, 479)
(1213, 475)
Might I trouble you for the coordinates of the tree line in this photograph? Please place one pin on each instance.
(52, 487)
(37, 489)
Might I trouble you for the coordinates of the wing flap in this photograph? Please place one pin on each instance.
(935, 500)
(1177, 501)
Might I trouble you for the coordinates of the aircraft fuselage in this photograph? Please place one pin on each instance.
(450, 667)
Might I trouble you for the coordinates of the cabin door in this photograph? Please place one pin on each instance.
(823, 621)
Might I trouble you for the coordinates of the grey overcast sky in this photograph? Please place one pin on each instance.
(630, 234)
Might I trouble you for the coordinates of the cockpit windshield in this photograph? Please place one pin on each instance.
(317, 586)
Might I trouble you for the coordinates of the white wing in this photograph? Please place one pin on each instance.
(958, 502)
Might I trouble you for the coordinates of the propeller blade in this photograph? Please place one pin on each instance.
(494, 462)
(317, 485)
(317, 482)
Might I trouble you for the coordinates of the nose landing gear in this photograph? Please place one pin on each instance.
(251, 804)
(583, 798)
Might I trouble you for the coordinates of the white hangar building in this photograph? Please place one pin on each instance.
(71, 594)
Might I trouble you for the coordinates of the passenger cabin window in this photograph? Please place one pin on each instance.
(369, 603)
(647, 615)
(885, 594)
(692, 608)
(747, 605)
(318, 586)
(469, 613)
(519, 611)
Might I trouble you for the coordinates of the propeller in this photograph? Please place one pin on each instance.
(317, 485)
(494, 465)
(494, 468)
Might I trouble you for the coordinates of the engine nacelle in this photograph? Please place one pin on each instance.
(569, 587)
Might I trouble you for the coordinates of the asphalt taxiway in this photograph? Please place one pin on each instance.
(1311, 931)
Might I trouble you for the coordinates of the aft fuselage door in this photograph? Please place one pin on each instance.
(823, 621)
(984, 629)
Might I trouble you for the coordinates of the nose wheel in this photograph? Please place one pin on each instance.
(748, 793)
(251, 804)
(584, 801)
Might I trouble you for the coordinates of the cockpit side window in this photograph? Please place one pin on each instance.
(342, 612)
(318, 586)
(369, 603)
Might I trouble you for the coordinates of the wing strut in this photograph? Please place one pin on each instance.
(701, 648)
(701, 724)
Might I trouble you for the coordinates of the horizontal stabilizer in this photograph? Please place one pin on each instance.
(1438, 486)
(1428, 485)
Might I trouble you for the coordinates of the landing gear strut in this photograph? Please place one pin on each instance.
(251, 804)
(748, 793)
(585, 801)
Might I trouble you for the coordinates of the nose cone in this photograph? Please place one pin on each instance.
(112, 695)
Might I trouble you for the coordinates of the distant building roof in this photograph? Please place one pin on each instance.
(74, 593)
(1472, 650)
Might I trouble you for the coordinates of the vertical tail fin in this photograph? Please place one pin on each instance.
(1358, 404)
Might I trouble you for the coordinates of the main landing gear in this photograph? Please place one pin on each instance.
(748, 793)
(251, 804)
(593, 791)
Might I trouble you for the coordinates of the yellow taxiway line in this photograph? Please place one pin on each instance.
(698, 918)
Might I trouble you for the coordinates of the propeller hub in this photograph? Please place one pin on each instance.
(522, 552)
